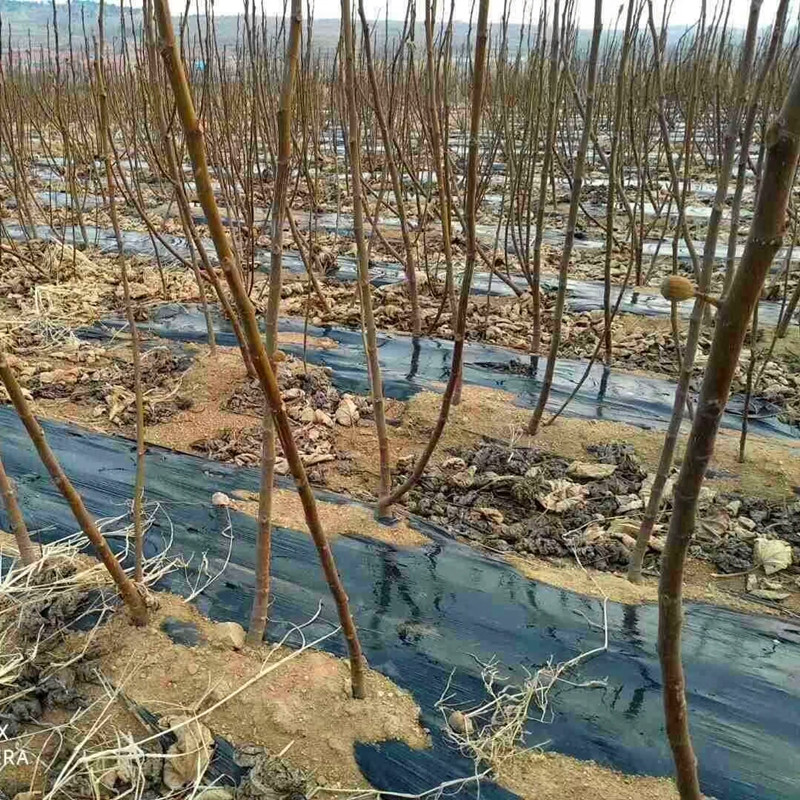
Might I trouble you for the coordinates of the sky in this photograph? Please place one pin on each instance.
(684, 12)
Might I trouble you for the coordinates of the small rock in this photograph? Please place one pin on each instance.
(772, 554)
(281, 466)
(746, 522)
(347, 412)
(215, 793)
(192, 669)
(623, 527)
(460, 723)
(307, 415)
(744, 534)
(464, 478)
(322, 418)
(734, 507)
(492, 514)
(219, 499)
(588, 470)
(658, 543)
(629, 502)
(770, 594)
(705, 497)
(751, 582)
(454, 463)
(228, 634)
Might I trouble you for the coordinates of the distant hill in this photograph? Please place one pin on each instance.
(27, 20)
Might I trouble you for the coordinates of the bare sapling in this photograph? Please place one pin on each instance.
(701, 298)
(368, 318)
(195, 144)
(104, 137)
(127, 589)
(259, 611)
(478, 84)
(547, 163)
(391, 163)
(16, 521)
(734, 316)
(572, 218)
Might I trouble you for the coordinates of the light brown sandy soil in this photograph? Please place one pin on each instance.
(337, 520)
(536, 776)
(306, 701)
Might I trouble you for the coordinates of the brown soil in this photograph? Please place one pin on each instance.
(551, 776)
(701, 584)
(772, 469)
(337, 520)
(305, 703)
(303, 708)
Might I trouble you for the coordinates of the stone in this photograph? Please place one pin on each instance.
(215, 793)
(744, 534)
(220, 499)
(307, 415)
(322, 418)
(347, 412)
(492, 514)
(454, 463)
(770, 594)
(734, 507)
(629, 502)
(706, 497)
(460, 723)
(463, 479)
(623, 527)
(773, 555)
(751, 582)
(190, 754)
(748, 523)
(228, 634)
(588, 470)
(658, 543)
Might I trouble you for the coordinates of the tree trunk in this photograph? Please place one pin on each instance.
(696, 320)
(478, 82)
(105, 138)
(133, 600)
(735, 313)
(266, 375)
(547, 161)
(397, 186)
(569, 238)
(15, 519)
(353, 129)
(260, 609)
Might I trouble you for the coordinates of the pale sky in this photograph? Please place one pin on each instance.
(684, 12)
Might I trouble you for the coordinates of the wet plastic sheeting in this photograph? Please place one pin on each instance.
(582, 295)
(425, 611)
(409, 367)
